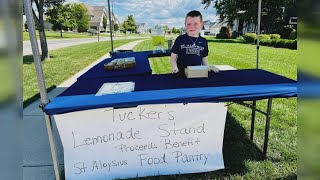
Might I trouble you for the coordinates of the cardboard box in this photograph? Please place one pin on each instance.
(196, 72)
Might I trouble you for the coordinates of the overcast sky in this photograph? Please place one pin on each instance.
(152, 12)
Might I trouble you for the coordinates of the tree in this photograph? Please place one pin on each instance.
(116, 27)
(129, 24)
(39, 7)
(104, 22)
(63, 16)
(246, 11)
(80, 15)
(174, 31)
(166, 29)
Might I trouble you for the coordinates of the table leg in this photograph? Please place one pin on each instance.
(253, 116)
(266, 134)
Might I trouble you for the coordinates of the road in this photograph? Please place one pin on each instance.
(61, 43)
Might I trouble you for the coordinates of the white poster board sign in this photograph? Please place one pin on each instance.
(142, 141)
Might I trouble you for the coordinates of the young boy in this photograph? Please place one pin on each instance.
(189, 49)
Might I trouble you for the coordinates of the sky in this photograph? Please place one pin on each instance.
(155, 12)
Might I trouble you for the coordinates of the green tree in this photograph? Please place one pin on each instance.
(246, 10)
(116, 27)
(129, 24)
(62, 16)
(104, 22)
(174, 31)
(166, 29)
(80, 15)
(38, 6)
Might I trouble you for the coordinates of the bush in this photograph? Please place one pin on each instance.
(221, 36)
(284, 32)
(250, 37)
(274, 36)
(281, 43)
(293, 35)
(264, 36)
(240, 38)
(223, 30)
(92, 31)
(265, 42)
(294, 44)
(224, 33)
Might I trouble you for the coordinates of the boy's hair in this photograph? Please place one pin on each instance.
(194, 13)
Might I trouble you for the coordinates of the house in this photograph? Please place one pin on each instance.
(212, 28)
(142, 28)
(206, 26)
(96, 15)
(241, 27)
(46, 24)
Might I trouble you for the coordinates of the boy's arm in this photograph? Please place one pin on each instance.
(205, 61)
(173, 61)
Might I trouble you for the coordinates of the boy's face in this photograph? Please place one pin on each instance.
(193, 25)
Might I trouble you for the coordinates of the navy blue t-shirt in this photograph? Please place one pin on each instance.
(190, 50)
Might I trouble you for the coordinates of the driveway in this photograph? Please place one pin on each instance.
(61, 43)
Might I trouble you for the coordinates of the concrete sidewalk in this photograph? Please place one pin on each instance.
(37, 160)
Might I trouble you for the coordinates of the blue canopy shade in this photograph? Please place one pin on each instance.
(141, 69)
(234, 85)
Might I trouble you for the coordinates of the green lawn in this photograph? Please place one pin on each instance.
(62, 65)
(243, 159)
(65, 35)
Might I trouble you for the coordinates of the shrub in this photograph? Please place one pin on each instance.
(274, 36)
(294, 44)
(280, 43)
(240, 38)
(264, 36)
(250, 37)
(284, 31)
(223, 30)
(224, 33)
(265, 42)
(293, 35)
(222, 36)
(273, 42)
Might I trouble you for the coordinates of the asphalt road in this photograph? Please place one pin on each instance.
(61, 43)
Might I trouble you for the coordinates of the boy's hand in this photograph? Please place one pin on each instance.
(174, 70)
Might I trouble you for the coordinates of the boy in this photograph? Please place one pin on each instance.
(189, 49)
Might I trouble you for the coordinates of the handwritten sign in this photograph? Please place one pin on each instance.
(142, 141)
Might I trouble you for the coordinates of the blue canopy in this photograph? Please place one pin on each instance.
(141, 69)
(233, 85)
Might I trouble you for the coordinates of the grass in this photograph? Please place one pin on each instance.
(243, 159)
(63, 64)
(65, 35)
(7, 90)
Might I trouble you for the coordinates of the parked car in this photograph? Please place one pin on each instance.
(92, 31)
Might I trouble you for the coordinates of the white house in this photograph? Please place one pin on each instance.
(142, 28)
(212, 28)
(96, 15)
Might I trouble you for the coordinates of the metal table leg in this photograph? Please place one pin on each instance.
(266, 133)
(253, 116)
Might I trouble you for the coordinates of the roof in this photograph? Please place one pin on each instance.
(96, 13)
(89, 9)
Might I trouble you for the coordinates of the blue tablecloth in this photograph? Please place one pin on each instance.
(233, 85)
(142, 67)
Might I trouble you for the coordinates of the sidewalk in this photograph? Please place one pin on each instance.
(37, 160)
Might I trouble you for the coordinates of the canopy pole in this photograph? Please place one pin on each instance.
(258, 33)
(110, 24)
(41, 83)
